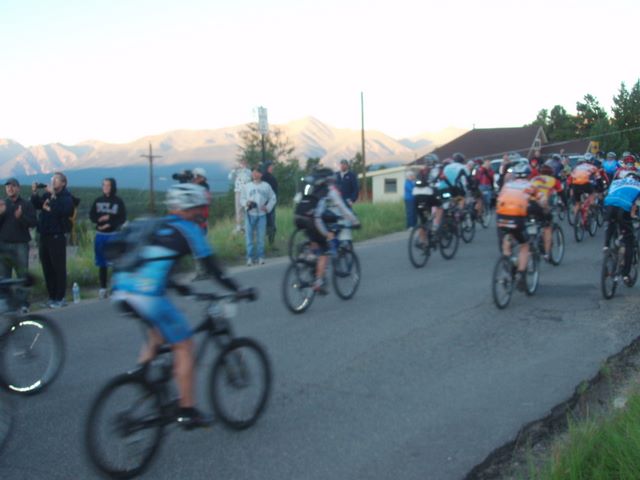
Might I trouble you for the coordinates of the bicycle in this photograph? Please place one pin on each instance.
(449, 232)
(32, 350)
(148, 401)
(585, 219)
(613, 264)
(297, 286)
(506, 268)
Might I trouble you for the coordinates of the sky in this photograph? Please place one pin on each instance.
(117, 70)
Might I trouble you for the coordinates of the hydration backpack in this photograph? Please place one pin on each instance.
(124, 250)
(304, 211)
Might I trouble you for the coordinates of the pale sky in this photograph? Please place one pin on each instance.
(116, 70)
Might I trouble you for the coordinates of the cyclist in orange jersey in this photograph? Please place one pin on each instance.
(548, 188)
(582, 179)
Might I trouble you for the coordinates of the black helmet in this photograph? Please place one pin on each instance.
(430, 160)
(322, 175)
(556, 156)
(458, 157)
(521, 170)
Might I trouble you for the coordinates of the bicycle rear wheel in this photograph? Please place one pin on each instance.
(485, 218)
(32, 355)
(297, 242)
(608, 274)
(467, 227)
(592, 222)
(240, 383)
(557, 245)
(533, 273)
(578, 228)
(448, 239)
(124, 427)
(503, 280)
(346, 273)
(633, 272)
(297, 286)
(419, 250)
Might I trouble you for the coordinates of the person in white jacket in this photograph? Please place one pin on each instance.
(257, 198)
(240, 176)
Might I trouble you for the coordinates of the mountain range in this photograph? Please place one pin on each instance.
(215, 150)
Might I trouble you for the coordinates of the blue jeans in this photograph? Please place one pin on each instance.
(255, 225)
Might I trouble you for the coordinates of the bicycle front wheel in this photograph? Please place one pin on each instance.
(240, 383)
(346, 273)
(633, 272)
(32, 355)
(297, 286)
(608, 273)
(419, 250)
(557, 245)
(124, 427)
(502, 284)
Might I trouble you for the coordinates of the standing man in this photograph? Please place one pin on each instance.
(347, 183)
(257, 198)
(56, 207)
(109, 214)
(240, 177)
(17, 216)
(268, 177)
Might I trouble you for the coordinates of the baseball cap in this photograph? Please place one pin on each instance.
(344, 160)
(199, 172)
(12, 181)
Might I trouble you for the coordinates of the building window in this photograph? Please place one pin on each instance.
(390, 185)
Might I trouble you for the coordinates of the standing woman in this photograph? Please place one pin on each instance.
(109, 214)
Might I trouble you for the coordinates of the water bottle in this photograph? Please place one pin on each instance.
(76, 292)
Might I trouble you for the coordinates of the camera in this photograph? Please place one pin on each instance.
(251, 205)
(185, 176)
(41, 185)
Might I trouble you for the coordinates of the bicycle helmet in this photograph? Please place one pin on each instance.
(556, 157)
(430, 160)
(458, 157)
(611, 156)
(184, 196)
(322, 176)
(521, 170)
(588, 157)
(546, 170)
(629, 160)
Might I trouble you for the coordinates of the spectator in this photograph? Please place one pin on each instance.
(257, 198)
(200, 178)
(347, 183)
(17, 216)
(268, 177)
(108, 213)
(409, 201)
(56, 207)
(484, 177)
(240, 176)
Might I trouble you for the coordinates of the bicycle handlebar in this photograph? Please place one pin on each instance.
(249, 294)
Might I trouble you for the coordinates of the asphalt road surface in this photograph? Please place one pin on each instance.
(419, 376)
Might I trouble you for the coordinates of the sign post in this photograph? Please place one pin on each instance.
(263, 126)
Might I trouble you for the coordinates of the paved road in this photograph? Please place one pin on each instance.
(419, 376)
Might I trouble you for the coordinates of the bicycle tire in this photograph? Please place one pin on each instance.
(346, 268)
(448, 240)
(230, 370)
(126, 424)
(578, 228)
(420, 256)
(467, 227)
(295, 245)
(532, 274)
(298, 277)
(633, 272)
(608, 274)
(485, 218)
(571, 218)
(502, 282)
(557, 245)
(34, 343)
(592, 223)
(600, 216)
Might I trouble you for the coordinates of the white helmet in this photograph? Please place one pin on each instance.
(184, 196)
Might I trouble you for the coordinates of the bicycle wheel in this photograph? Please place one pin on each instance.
(297, 240)
(448, 240)
(124, 427)
(485, 218)
(557, 245)
(297, 286)
(571, 218)
(467, 227)
(532, 273)
(419, 250)
(346, 273)
(600, 215)
(608, 274)
(578, 228)
(592, 222)
(633, 272)
(240, 383)
(503, 280)
(32, 355)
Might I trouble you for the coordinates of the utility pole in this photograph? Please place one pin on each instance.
(151, 156)
(263, 125)
(364, 162)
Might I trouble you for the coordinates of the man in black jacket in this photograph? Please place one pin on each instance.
(267, 176)
(109, 214)
(17, 216)
(347, 183)
(56, 207)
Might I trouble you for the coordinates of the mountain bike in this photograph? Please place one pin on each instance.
(32, 349)
(613, 265)
(422, 240)
(506, 269)
(449, 232)
(586, 218)
(125, 424)
(297, 286)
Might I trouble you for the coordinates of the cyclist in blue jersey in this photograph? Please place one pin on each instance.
(610, 166)
(620, 205)
(143, 289)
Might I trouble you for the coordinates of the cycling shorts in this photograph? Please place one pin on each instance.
(542, 217)
(578, 190)
(516, 226)
(426, 202)
(314, 235)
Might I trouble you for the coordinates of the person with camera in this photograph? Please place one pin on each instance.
(109, 214)
(257, 198)
(56, 208)
(17, 216)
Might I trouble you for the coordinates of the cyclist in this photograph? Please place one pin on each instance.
(454, 178)
(620, 205)
(425, 195)
(143, 289)
(582, 180)
(627, 165)
(516, 201)
(548, 188)
(610, 166)
(328, 209)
